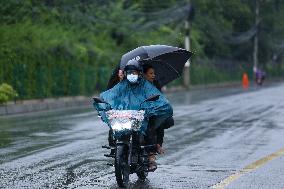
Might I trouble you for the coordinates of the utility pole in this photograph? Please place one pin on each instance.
(255, 41)
(186, 73)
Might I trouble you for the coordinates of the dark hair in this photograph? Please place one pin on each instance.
(146, 67)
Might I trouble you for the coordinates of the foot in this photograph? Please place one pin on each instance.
(160, 150)
(152, 163)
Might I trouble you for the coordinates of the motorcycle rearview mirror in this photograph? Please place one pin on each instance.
(101, 101)
(151, 99)
(98, 100)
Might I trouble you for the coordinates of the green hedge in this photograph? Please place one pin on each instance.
(44, 61)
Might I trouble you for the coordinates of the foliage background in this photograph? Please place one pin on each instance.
(54, 48)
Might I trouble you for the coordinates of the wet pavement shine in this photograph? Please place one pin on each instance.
(217, 134)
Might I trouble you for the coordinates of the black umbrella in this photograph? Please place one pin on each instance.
(167, 61)
(146, 52)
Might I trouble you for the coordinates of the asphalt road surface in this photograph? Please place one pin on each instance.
(223, 138)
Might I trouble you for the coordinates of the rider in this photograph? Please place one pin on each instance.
(259, 76)
(130, 93)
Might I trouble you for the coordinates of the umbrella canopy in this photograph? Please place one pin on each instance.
(168, 66)
(145, 52)
(167, 61)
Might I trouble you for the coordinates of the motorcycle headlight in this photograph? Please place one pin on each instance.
(121, 126)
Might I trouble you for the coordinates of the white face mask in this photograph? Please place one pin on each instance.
(132, 78)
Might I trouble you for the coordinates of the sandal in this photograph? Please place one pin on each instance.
(160, 150)
(152, 164)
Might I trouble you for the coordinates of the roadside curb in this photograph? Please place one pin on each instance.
(28, 106)
(39, 105)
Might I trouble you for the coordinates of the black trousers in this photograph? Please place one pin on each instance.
(150, 137)
(160, 132)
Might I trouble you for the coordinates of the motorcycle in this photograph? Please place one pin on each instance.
(131, 153)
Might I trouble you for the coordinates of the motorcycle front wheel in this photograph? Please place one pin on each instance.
(122, 170)
(142, 175)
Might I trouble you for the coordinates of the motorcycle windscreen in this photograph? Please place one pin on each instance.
(123, 122)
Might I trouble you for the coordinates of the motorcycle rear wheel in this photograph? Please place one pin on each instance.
(121, 166)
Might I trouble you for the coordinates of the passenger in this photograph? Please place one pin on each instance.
(115, 78)
(149, 74)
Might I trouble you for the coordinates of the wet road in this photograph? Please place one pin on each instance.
(218, 133)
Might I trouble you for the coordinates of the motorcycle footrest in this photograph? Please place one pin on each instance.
(152, 170)
(146, 155)
(109, 155)
(148, 146)
(146, 168)
(106, 147)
